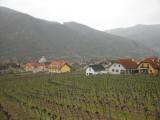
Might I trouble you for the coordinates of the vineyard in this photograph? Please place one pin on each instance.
(77, 97)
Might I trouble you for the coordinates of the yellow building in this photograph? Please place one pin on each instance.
(149, 66)
(65, 68)
(59, 67)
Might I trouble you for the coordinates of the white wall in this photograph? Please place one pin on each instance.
(116, 69)
(89, 70)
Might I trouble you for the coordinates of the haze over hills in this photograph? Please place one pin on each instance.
(148, 35)
(24, 36)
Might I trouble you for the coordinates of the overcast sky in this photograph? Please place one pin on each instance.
(99, 14)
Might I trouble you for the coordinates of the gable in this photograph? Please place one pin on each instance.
(117, 66)
(65, 68)
(90, 69)
(154, 62)
(146, 65)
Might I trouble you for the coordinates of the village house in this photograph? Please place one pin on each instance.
(95, 70)
(42, 60)
(59, 66)
(116, 68)
(39, 67)
(124, 66)
(35, 67)
(149, 66)
(29, 66)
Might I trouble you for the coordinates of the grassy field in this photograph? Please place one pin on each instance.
(77, 97)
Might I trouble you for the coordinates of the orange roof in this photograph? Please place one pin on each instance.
(128, 63)
(153, 61)
(29, 64)
(32, 64)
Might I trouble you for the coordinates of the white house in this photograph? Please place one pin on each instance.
(124, 66)
(39, 67)
(95, 69)
(116, 68)
(42, 60)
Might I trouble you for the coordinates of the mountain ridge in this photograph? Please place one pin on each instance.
(24, 36)
(149, 35)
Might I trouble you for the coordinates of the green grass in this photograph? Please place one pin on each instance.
(40, 96)
(2, 116)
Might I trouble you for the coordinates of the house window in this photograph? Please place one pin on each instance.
(150, 71)
(117, 70)
(142, 65)
(115, 65)
(89, 69)
(112, 70)
(119, 65)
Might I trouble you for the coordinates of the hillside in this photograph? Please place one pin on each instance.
(26, 37)
(149, 35)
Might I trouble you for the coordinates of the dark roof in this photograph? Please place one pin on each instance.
(97, 67)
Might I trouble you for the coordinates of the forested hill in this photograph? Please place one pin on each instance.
(24, 36)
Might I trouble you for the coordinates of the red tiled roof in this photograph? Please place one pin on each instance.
(128, 63)
(153, 61)
(35, 64)
(29, 64)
